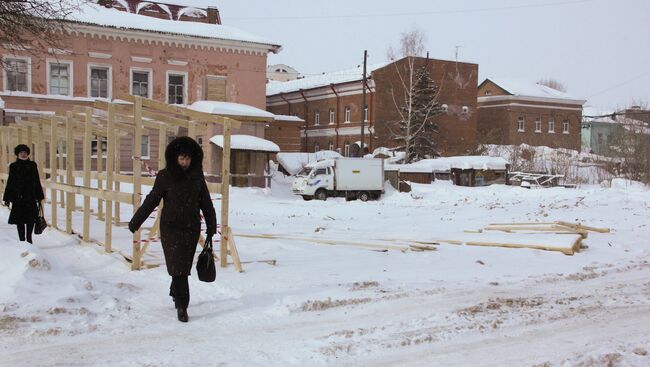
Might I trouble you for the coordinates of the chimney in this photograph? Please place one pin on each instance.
(213, 15)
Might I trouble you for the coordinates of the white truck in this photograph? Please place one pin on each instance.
(352, 178)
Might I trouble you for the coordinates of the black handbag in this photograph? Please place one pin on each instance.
(205, 264)
(39, 223)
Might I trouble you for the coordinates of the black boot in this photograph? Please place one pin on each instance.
(182, 314)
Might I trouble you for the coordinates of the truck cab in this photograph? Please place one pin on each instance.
(312, 178)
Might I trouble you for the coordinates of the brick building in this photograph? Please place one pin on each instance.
(331, 105)
(513, 113)
(169, 52)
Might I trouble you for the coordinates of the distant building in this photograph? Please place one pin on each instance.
(600, 129)
(514, 113)
(281, 73)
(331, 106)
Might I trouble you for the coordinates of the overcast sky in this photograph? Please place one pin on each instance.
(600, 49)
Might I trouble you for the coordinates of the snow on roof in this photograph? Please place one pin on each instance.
(203, 4)
(230, 109)
(334, 77)
(447, 163)
(91, 13)
(294, 162)
(288, 118)
(247, 142)
(527, 89)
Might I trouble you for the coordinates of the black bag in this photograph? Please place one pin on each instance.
(205, 264)
(39, 223)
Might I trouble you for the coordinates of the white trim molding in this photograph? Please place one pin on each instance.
(532, 105)
(502, 98)
(177, 62)
(345, 131)
(142, 59)
(109, 81)
(99, 55)
(29, 72)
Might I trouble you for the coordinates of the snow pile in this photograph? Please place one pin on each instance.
(247, 142)
(229, 109)
(447, 163)
(94, 14)
(294, 162)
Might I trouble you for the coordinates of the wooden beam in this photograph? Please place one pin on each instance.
(53, 170)
(69, 162)
(86, 164)
(225, 194)
(137, 172)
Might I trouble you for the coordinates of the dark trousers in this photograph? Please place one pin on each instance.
(25, 230)
(180, 291)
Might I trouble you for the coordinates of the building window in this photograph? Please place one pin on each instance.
(144, 147)
(316, 118)
(346, 149)
(60, 78)
(538, 125)
(331, 116)
(565, 126)
(316, 147)
(17, 75)
(199, 139)
(365, 114)
(551, 126)
(348, 112)
(99, 82)
(176, 89)
(520, 124)
(330, 146)
(140, 83)
(93, 147)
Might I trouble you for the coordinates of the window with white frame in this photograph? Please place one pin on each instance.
(60, 78)
(330, 146)
(565, 126)
(17, 74)
(538, 125)
(99, 82)
(331, 116)
(144, 147)
(316, 147)
(176, 89)
(348, 113)
(199, 139)
(317, 118)
(93, 147)
(520, 124)
(365, 114)
(551, 126)
(140, 83)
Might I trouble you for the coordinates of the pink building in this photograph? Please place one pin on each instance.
(173, 53)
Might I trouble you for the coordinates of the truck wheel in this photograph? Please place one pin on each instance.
(363, 196)
(321, 195)
(307, 198)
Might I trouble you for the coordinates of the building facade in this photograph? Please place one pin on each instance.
(514, 113)
(331, 105)
(171, 53)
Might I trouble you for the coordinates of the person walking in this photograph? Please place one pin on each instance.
(23, 192)
(182, 186)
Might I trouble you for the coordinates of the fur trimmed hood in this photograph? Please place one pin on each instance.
(183, 145)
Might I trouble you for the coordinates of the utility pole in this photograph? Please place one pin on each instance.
(363, 101)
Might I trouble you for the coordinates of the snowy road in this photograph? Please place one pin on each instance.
(63, 304)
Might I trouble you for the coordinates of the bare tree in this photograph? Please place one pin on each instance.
(411, 43)
(631, 142)
(32, 26)
(553, 83)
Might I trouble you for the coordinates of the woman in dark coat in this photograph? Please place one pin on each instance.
(182, 185)
(23, 191)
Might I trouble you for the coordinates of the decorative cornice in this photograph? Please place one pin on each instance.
(172, 40)
(141, 59)
(99, 55)
(58, 51)
(177, 62)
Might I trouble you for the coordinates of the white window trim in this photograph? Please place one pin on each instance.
(316, 118)
(49, 61)
(5, 79)
(332, 117)
(568, 125)
(185, 82)
(330, 146)
(110, 78)
(149, 87)
(523, 125)
(348, 115)
(104, 152)
(551, 131)
(346, 150)
(538, 125)
(366, 115)
(148, 156)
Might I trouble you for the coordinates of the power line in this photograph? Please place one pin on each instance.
(621, 84)
(436, 12)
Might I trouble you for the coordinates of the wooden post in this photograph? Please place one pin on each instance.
(110, 155)
(137, 176)
(100, 170)
(61, 164)
(86, 165)
(69, 159)
(225, 192)
(40, 152)
(54, 142)
(118, 167)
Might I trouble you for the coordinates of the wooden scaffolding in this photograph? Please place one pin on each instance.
(53, 141)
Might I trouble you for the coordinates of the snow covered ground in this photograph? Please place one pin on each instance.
(67, 304)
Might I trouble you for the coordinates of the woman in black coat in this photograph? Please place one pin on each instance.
(23, 191)
(182, 185)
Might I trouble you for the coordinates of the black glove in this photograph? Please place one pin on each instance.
(6, 203)
(132, 228)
